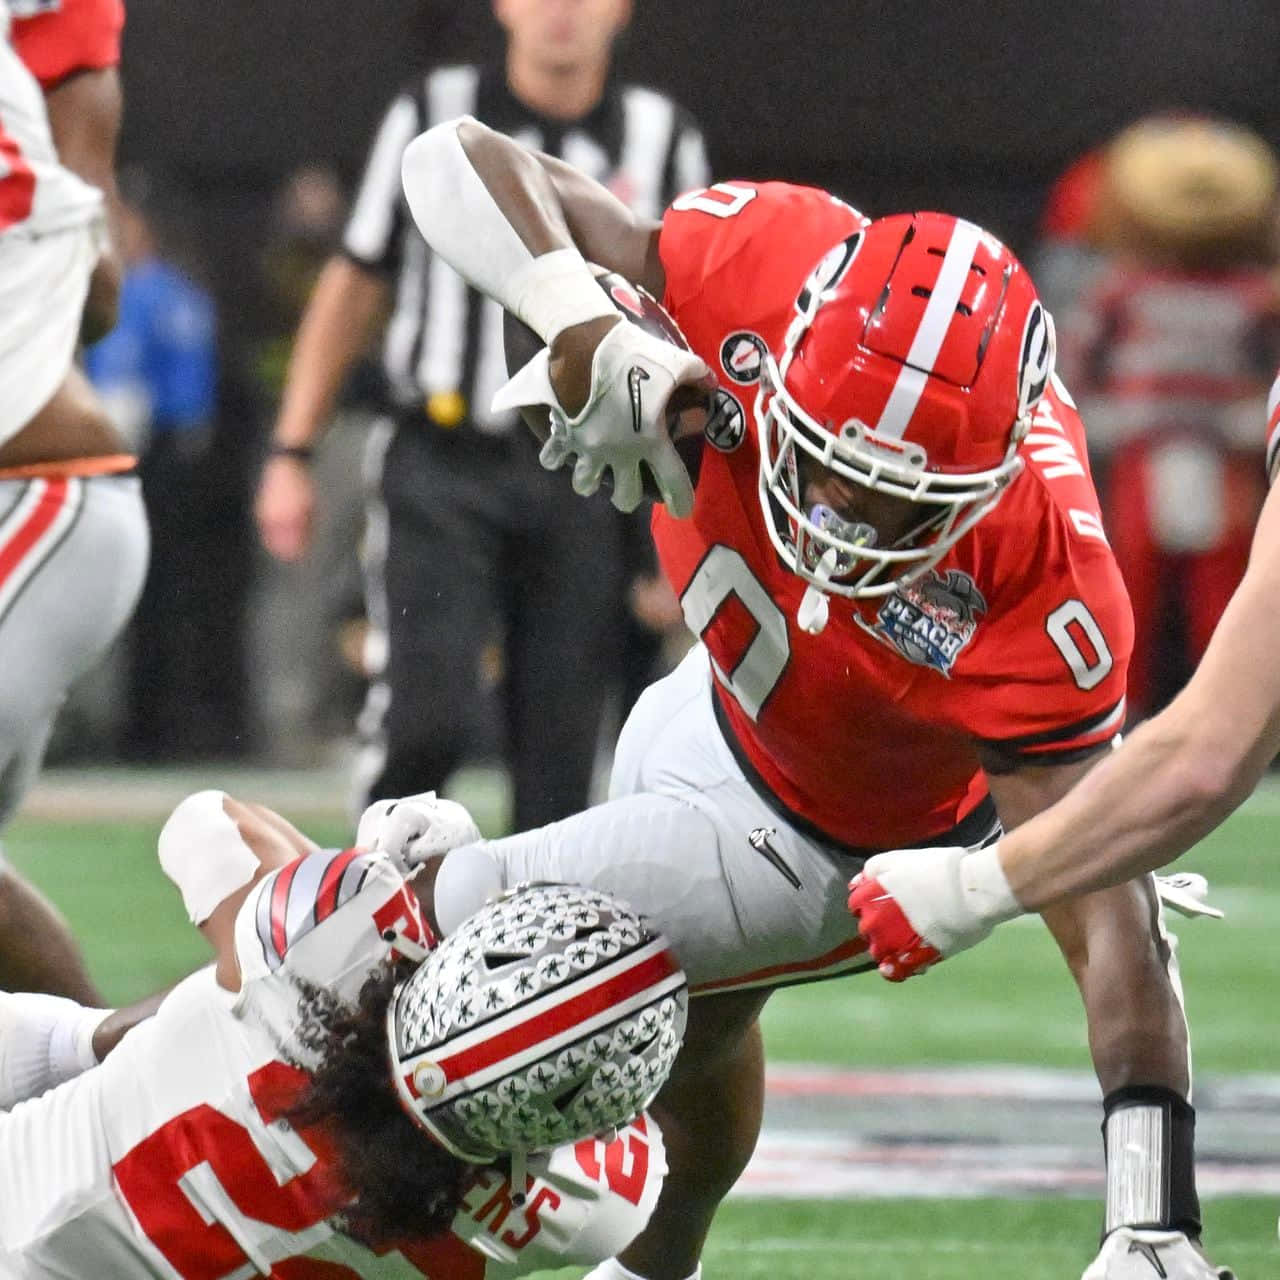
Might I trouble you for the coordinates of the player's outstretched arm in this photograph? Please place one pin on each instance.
(516, 227)
(1174, 779)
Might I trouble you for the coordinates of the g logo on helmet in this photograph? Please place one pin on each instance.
(1036, 360)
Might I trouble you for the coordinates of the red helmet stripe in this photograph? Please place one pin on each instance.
(932, 331)
(280, 907)
(331, 882)
(544, 1023)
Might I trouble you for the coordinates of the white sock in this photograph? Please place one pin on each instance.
(612, 1269)
(44, 1041)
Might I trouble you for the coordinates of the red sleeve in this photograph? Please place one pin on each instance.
(1050, 668)
(69, 36)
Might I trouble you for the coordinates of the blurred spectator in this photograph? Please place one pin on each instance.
(1170, 354)
(1071, 248)
(467, 537)
(157, 375)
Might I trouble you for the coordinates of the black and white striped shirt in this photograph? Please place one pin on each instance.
(443, 346)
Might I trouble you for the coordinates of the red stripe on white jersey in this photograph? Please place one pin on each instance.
(932, 333)
(849, 955)
(31, 531)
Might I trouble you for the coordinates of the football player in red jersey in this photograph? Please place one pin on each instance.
(910, 619)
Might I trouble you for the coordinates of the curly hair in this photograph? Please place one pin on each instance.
(403, 1184)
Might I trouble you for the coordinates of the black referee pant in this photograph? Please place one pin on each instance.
(481, 542)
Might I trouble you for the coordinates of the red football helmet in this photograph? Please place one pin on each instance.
(918, 351)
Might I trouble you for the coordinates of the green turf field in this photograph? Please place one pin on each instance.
(1009, 1001)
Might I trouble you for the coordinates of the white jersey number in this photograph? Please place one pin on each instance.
(752, 674)
(721, 200)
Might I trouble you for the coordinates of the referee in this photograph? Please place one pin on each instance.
(467, 536)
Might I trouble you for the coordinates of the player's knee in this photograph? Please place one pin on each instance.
(204, 854)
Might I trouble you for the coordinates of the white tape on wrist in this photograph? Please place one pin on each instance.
(986, 887)
(556, 291)
(202, 852)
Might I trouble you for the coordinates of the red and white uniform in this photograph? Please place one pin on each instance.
(170, 1160)
(37, 195)
(744, 782)
(57, 38)
(73, 549)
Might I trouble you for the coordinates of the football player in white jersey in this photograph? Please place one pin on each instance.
(73, 532)
(253, 1125)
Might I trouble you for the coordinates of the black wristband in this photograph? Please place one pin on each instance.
(298, 452)
(1173, 1155)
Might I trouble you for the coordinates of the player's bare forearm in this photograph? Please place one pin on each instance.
(1179, 774)
(550, 205)
(335, 329)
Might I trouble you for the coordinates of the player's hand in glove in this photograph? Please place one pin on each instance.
(415, 828)
(918, 906)
(622, 424)
(1133, 1253)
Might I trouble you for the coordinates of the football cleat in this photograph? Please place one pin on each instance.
(1133, 1253)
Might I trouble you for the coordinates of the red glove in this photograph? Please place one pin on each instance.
(891, 938)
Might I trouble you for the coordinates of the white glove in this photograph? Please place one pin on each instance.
(415, 828)
(1185, 892)
(623, 425)
(953, 897)
(1130, 1253)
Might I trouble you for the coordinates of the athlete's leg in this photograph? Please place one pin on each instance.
(76, 556)
(37, 949)
(710, 1111)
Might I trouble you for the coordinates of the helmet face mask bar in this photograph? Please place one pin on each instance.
(844, 556)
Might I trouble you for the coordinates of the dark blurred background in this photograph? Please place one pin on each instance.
(971, 108)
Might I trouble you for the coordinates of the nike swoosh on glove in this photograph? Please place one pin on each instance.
(917, 906)
(623, 425)
(1132, 1253)
(415, 828)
